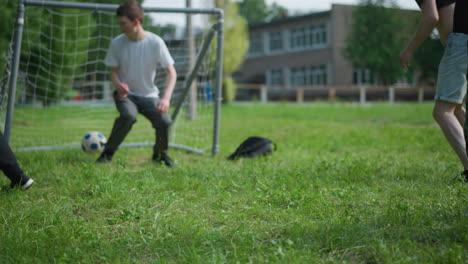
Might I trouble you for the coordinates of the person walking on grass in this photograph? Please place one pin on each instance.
(133, 58)
(451, 89)
(456, 56)
(10, 167)
(452, 84)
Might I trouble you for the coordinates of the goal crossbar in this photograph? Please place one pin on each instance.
(112, 7)
(217, 28)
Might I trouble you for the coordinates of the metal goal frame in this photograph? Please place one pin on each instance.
(216, 30)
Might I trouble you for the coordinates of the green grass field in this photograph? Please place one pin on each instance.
(348, 184)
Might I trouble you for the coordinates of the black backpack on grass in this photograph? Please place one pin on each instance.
(253, 147)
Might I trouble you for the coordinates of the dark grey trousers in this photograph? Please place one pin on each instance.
(8, 163)
(129, 108)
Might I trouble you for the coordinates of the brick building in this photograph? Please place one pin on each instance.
(303, 50)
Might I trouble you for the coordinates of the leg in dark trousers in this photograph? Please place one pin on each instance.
(9, 164)
(128, 108)
(161, 122)
(161, 145)
(122, 124)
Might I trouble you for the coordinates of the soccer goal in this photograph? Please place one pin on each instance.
(55, 86)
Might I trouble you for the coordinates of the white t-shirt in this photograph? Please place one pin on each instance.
(138, 60)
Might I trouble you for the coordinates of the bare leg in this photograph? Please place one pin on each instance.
(460, 114)
(444, 114)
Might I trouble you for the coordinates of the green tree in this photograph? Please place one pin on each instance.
(61, 55)
(257, 11)
(235, 45)
(427, 57)
(63, 47)
(376, 39)
(276, 11)
(8, 14)
(426, 60)
(254, 11)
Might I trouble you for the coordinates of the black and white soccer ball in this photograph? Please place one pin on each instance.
(93, 142)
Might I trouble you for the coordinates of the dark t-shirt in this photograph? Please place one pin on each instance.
(439, 3)
(460, 22)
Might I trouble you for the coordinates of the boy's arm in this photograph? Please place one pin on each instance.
(429, 20)
(120, 87)
(171, 78)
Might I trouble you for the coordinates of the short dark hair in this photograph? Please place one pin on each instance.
(132, 10)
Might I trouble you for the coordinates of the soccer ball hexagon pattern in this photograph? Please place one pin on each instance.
(93, 142)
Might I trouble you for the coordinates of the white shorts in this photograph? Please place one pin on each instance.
(451, 78)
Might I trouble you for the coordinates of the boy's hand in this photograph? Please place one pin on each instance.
(122, 90)
(163, 105)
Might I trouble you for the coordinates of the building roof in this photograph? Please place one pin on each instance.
(288, 19)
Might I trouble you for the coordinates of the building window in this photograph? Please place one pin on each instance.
(312, 36)
(256, 44)
(318, 75)
(298, 38)
(276, 41)
(275, 77)
(309, 75)
(321, 35)
(308, 37)
(363, 76)
(297, 76)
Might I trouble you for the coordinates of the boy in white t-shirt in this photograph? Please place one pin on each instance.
(133, 58)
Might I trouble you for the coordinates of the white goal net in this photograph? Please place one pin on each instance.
(62, 88)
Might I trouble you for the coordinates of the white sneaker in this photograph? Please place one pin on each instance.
(27, 184)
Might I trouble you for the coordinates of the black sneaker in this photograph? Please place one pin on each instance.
(23, 185)
(104, 158)
(164, 159)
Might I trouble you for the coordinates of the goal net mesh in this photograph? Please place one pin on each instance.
(63, 88)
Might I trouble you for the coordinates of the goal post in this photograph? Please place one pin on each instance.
(56, 78)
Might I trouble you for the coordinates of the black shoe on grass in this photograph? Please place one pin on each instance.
(104, 158)
(24, 185)
(164, 159)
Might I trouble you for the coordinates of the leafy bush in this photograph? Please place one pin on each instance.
(229, 90)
